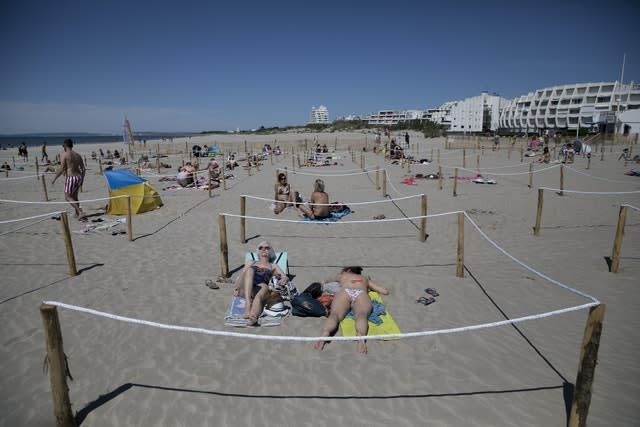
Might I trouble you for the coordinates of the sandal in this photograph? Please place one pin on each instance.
(432, 292)
(211, 284)
(426, 300)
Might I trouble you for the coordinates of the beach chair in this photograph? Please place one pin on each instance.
(282, 260)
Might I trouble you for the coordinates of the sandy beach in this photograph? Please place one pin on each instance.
(520, 374)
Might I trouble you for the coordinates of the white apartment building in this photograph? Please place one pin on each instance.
(319, 115)
(581, 105)
(477, 114)
(390, 117)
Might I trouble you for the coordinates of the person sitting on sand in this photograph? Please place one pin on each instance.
(253, 281)
(283, 193)
(318, 206)
(353, 295)
(546, 156)
(5, 166)
(185, 176)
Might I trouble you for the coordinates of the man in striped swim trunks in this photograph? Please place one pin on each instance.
(72, 166)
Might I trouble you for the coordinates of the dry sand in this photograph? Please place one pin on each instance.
(127, 374)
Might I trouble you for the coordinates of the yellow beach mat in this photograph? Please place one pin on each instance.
(388, 325)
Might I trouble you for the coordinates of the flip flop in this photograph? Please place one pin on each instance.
(432, 292)
(426, 300)
(211, 284)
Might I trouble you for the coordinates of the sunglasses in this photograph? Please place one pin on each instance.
(263, 248)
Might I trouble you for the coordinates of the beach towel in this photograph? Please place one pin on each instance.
(484, 181)
(333, 216)
(388, 325)
(234, 315)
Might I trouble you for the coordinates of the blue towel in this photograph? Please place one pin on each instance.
(333, 216)
(377, 309)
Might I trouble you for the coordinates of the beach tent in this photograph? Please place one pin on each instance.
(122, 182)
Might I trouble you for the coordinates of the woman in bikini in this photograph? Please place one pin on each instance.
(354, 295)
(253, 281)
(283, 193)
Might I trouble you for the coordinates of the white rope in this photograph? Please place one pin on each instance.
(26, 202)
(536, 272)
(15, 178)
(332, 338)
(333, 174)
(590, 192)
(23, 227)
(336, 222)
(9, 221)
(331, 204)
(596, 177)
(513, 173)
(631, 206)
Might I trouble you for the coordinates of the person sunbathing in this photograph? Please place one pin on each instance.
(283, 193)
(253, 281)
(318, 206)
(353, 295)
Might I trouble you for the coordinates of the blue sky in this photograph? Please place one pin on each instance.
(81, 66)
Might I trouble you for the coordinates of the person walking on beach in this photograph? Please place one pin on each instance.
(406, 140)
(72, 166)
(44, 152)
(353, 295)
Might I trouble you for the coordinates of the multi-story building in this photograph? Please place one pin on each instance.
(390, 117)
(582, 105)
(319, 115)
(477, 114)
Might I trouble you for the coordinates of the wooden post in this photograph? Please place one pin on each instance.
(521, 154)
(129, 219)
(408, 166)
(243, 212)
(38, 168)
(460, 254)
(588, 161)
(377, 178)
(617, 242)
(384, 183)
(44, 188)
(561, 193)
(455, 183)
(224, 247)
(362, 161)
(248, 165)
(478, 163)
(464, 157)
(210, 184)
(58, 369)
(224, 179)
(423, 221)
(100, 166)
(438, 161)
(158, 158)
(440, 176)
(536, 229)
(530, 174)
(68, 244)
(587, 367)
(602, 152)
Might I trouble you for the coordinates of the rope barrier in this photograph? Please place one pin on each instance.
(596, 177)
(335, 222)
(27, 202)
(9, 221)
(24, 226)
(589, 192)
(631, 206)
(331, 204)
(334, 174)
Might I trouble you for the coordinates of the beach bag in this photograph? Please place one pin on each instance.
(287, 290)
(304, 305)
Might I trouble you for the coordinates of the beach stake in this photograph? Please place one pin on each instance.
(100, 166)
(440, 176)
(224, 179)
(460, 255)
(530, 174)
(536, 229)
(6, 173)
(384, 183)
(377, 177)
(58, 368)
(68, 245)
(38, 168)
(438, 161)
(408, 166)
(243, 212)
(617, 242)
(587, 367)
(362, 161)
(423, 221)
(44, 188)
(464, 157)
(129, 219)
(478, 163)
(561, 193)
(455, 183)
(602, 152)
(224, 247)
(521, 153)
(210, 184)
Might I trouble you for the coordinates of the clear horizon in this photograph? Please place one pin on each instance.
(197, 66)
